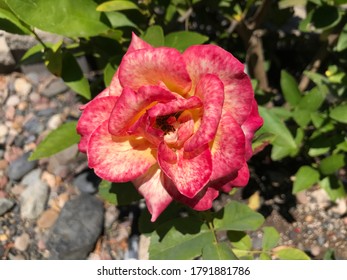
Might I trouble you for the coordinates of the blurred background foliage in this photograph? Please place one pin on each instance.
(294, 50)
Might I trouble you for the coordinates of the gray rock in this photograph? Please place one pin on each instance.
(33, 200)
(7, 62)
(87, 182)
(21, 166)
(5, 205)
(55, 87)
(34, 126)
(32, 177)
(77, 229)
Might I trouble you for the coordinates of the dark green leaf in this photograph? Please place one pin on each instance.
(116, 5)
(34, 53)
(329, 254)
(184, 39)
(270, 238)
(109, 72)
(290, 88)
(77, 18)
(73, 76)
(291, 254)
(331, 164)
(240, 240)
(339, 113)
(154, 35)
(305, 177)
(237, 216)
(325, 17)
(118, 193)
(10, 23)
(56, 141)
(218, 251)
(54, 59)
(179, 239)
(333, 187)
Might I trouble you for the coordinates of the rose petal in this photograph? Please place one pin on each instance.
(105, 92)
(189, 173)
(97, 111)
(228, 148)
(131, 105)
(174, 106)
(238, 92)
(250, 126)
(153, 66)
(137, 44)
(211, 91)
(150, 185)
(240, 181)
(201, 202)
(118, 159)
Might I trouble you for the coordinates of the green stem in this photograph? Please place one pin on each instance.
(209, 221)
(38, 39)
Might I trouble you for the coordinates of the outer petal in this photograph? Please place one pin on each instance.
(189, 173)
(203, 59)
(130, 105)
(150, 185)
(153, 66)
(201, 202)
(97, 111)
(240, 181)
(250, 126)
(105, 92)
(228, 148)
(211, 90)
(174, 106)
(118, 159)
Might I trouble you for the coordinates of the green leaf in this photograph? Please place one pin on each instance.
(10, 23)
(262, 141)
(154, 35)
(331, 164)
(264, 256)
(291, 254)
(237, 216)
(270, 238)
(54, 59)
(313, 100)
(109, 72)
(339, 113)
(305, 177)
(342, 41)
(73, 76)
(56, 141)
(116, 5)
(119, 20)
(118, 193)
(218, 251)
(333, 187)
(184, 39)
(181, 239)
(34, 53)
(302, 117)
(280, 152)
(77, 18)
(283, 4)
(325, 17)
(290, 88)
(240, 240)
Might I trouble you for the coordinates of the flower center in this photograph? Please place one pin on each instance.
(168, 123)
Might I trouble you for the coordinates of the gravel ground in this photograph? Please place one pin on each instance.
(42, 200)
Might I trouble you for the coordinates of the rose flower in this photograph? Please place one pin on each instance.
(178, 125)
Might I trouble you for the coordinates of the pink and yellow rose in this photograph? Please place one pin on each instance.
(178, 125)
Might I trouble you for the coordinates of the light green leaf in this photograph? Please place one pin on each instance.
(305, 177)
(119, 20)
(333, 163)
(184, 39)
(283, 4)
(280, 152)
(77, 18)
(154, 35)
(288, 253)
(10, 23)
(109, 72)
(302, 117)
(333, 187)
(339, 113)
(56, 141)
(270, 238)
(73, 76)
(240, 240)
(116, 5)
(313, 100)
(218, 251)
(237, 216)
(179, 239)
(118, 193)
(290, 88)
(265, 257)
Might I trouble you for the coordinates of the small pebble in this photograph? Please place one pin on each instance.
(47, 218)
(22, 86)
(22, 242)
(55, 121)
(13, 101)
(5, 205)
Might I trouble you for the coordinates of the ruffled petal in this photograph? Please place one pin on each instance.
(228, 148)
(250, 126)
(238, 92)
(131, 106)
(118, 159)
(153, 67)
(201, 202)
(97, 111)
(211, 90)
(150, 185)
(190, 173)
